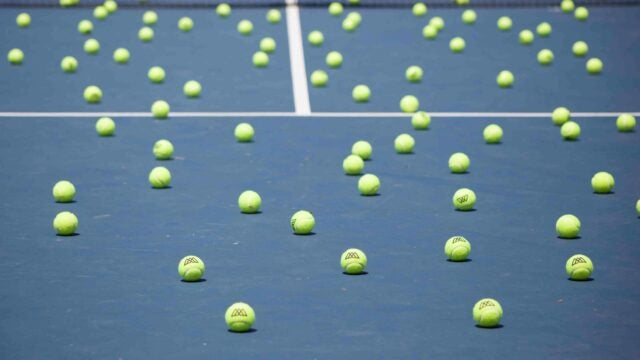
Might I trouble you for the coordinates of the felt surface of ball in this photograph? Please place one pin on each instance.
(64, 191)
(315, 38)
(245, 27)
(335, 9)
(160, 109)
(268, 45)
(594, 66)
(160, 177)
(429, 32)
(65, 223)
(457, 44)
(355, 17)
(464, 199)
(23, 20)
(525, 37)
(156, 74)
(105, 126)
(409, 104)
(579, 267)
(260, 59)
(580, 49)
(353, 165)
(419, 9)
(581, 13)
(638, 207)
(69, 64)
(457, 248)
(302, 222)
(92, 94)
(273, 16)
(570, 130)
(146, 34)
(240, 317)
(602, 182)
(420, 120)
(404, 144)
(349, 24)
(150, 17)
(363, 149)
(437, 22)
(487, 313)
(567, 6)
(560, 115)
(223, 10)
(568, 226)
(469, 16)
(361, 93)
(244, 132)
(319, 78)
(413, 74)
(545, 57)
(492, 134)
(459, 163)
(111, 6)
(504, 23)
(163, 149)
(185, 24)
(191, 268)
(121, 56)
(91, 46)
(85, 27)
(100, 12)
(249, 202)
(334, 59)
(368, 185)
(192, 89)
(353, 261)
(15, 56)
(505, 79)
(626, 123)
(544, 29)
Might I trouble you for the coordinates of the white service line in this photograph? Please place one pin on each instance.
(296, 57)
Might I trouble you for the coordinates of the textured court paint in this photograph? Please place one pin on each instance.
(296, 58)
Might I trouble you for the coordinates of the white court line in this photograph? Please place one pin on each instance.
(296, 57)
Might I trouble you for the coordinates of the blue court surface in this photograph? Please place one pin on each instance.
(112, 291)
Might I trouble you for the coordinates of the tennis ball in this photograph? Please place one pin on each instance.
(437, 22)
(469, 17)
(223, 10)
(92, 94)
(239, 317)
(273, 16)
(420, 120)
(602, 182)
(404, 144)
(570, 130)
(15, 56)
(568, 226)
(459, 163)
(160, 109)
(354, 2)
(64, 191)
(105, 126)
(594, 66)
(369, 185)
(268, 45)
(492, 134)
(100, 12)
(191, 268)
(319, 78)
(567, 6)
(581, 13)
(544, 29)
(580, 48)
(245, 27)
(69, 64)
(419, 9)
(560, 115)
(626, 123)
(335, 9)
(145, 34)
(409, 104)
(579, 267)
(363, 149)
(462, 2)
(244, 132)
(150, 17)
(349, 24)
(315, 38)
(353, 165)
(505, 79)
(356, 17)
(192, 89)
(334, 59)
(249, 202)
(526, 37)
(302, 222)
(91, 46)
(545, 57)
(504, 23)
(111, 6)
(156, 74)
(65, 223)
(23, 20)
(464, 199)
(457, 44)
(457, 248)
(185, 24)
(160, 177)
(638, 207)
(353, 261)
(487, 313)
(413, 74)
(163, 149)
(85, 27)
(260, 59)
(429, 32)
(361, 93)
(121, 56)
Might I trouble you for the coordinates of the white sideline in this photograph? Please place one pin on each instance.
(296, 57)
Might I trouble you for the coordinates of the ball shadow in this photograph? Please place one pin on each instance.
(162, 188)
(309, 234)
(565, 238)
(250, 331)
(359, 274)
(460, 261)
(602, 194)
(251, 213)
(192, 282)
(70, 235)
(66, 202)
(585, 280)
(499, 326)
(463, 211)
(374, 195)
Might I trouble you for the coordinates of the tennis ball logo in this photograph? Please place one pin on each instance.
(458, 239)
(240, 317)
(578, 260)
(353, 261)
(352, 255)
(238, 312)
(463, 199)
(302, 222)
(191, 260)
(485, 304)
(191, 268)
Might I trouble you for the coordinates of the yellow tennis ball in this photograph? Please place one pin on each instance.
(363, 149)
(602, 182)
(160, 177)
(492, 134)
(244, 132)
(65, 223)
(568, 226)
(487, 313)
(105, 126)
(420, 120)
(404, 144)
(353, 261)
(369, 185)
(223, 10)
(160, 109)
(240, 317)
(92, 94)
(626, 123)
(191, 268)
(353, 165)
(64, 191)
(163, 149)
(249, 202)
(560, 115)
(459, 163)
(570, 130)
(457, 248)
(579, 267)
(464, 199)
(303, 222)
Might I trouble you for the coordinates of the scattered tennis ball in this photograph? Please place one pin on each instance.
(302, 222)
(594, 66)
(504, 23)
(505, 79)
(361, 93)
(419, 9)
(268, 45)
(223, 10)
(420, 120)
(560, 115)
(91, 46)
(363, 149)
(260, 59)
(369, 185)
(191, 268)
(65, 223)
(249, 202)
(430, 32)
(145, 34)
(414, 74)
(315, 38)
(457, 248)
(487, 313)
(568, 226)
(239, 317)
(545, 57)
(121, 56)
(69, 64)
(638, 207)
(334, 59)
(437, 22)
(353, 261)
(244, 132)
(462, 2)
(349, 24)
(156, 74)
(274, 16)
(626, 123)
(409, 104)
(492, 134)
(23, 20)
(245, 27)
(579, 267)
(581, 13)
(92, 94)
(85, 27)
(335, 8)
(544, 29)
(602, 182)
(160, 109)
(356, 17)
(567, 6)
(457, 44)
(185, 24)
(150, 17)
(15, 56)
(160, 177)
(100, 12)
(64, 191)
(464, 199)
(469, 17)
(404, 144)
(354, 2)
(580, 48)
(105, 126)
(163, 149)
(319, 78)
(459, 163)
(111, 6)
(353, 165)
(570, 130)
(192, 89)
(526, 37)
